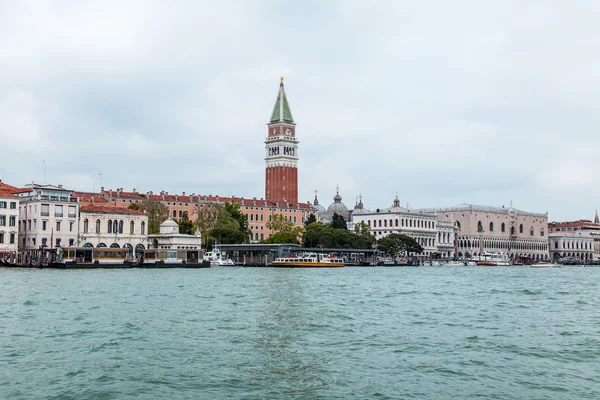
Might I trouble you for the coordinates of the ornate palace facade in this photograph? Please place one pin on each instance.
(497, 229)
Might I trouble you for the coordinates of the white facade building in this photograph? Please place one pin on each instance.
(115, 227)
(170, 238)
(9, 226)
(47, 217)
(420, 226)
(578, 245)
(445, 241)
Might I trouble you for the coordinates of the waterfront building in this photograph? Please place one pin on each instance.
(170, 238)
(257, 211)
(563, 230)
(578, 245)
(446, 234)
(114, 227)
(419, 225)
(480, 229)
(9, 226)
(47, 217)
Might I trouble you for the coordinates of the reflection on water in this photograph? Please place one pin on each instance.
(286, 326)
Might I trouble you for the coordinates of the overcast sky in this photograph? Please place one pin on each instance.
(481, 102)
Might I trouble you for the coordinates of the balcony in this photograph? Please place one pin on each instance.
(72, 215)
(45, 213)
(58, 214)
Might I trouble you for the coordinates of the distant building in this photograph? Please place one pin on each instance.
(337, 207)
(578, 245)
(397, 219)
(9, 216)
(480, 229)
(47, 217)
(567, 239)
(446, 237)
(115, 227)
(170, 238)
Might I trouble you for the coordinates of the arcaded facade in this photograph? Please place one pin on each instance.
(517, 233)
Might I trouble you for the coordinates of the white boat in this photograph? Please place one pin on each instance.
(493, 259)
(215, 258)
(545, 264)
(454, 264)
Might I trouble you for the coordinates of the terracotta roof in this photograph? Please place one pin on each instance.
(129, 195)
(24, 190)
(92, 208)
(4, 186)
(193, 198)
(6, 193)
(87, 197)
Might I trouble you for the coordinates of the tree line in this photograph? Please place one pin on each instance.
(226, 224)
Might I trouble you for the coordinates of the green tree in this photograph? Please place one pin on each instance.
(234, 210)
(338, 222)
(227, 230)
(311, 218)
(223, 223)
(318, 234)
(157, 213)
(134, 206)
(285, 230)
(396, 242)
(208, 216)
(185, 225)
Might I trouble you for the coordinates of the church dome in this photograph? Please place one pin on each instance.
(337, 207)
(320, 209)
(169, 226)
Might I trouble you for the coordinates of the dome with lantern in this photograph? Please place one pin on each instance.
(319, 208)
(337, 207)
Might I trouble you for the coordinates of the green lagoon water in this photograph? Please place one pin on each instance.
(261, 333)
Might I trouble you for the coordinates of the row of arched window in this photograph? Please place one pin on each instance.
(503, 228)
(115, 226)
(502, 244)
(402, 222)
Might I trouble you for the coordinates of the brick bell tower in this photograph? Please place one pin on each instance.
(281, 176)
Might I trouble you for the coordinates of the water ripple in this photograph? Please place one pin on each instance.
(386, 333)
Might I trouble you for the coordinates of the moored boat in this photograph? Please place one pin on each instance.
(310, 260)
(172, 258)
(215, 258)
(493, 259)
(545, 264)
(90, 257)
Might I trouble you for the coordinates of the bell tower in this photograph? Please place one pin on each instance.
(281, 175)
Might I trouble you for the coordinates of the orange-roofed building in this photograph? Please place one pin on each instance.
(6, 187)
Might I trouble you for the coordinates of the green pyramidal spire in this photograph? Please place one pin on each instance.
(281, 111)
